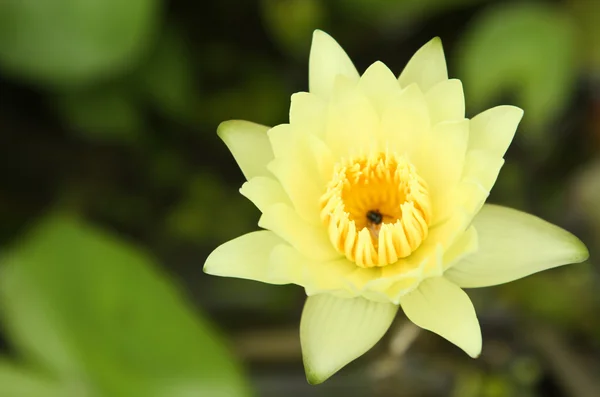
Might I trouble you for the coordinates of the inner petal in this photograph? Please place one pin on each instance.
(376, 209)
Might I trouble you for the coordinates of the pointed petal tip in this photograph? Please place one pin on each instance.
(582, 253)
(435, 43)
(474, 351)
(320, 33)
(313, 377)
(335, 331)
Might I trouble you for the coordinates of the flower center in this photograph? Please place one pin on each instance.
(376, 208)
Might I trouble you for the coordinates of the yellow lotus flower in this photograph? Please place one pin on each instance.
(372, 197)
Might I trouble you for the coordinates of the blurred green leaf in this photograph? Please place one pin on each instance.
(68, 42)
(524, 48)
(96, 312)
(104, 114)
(167, 77)
(292, 22)
(17, 382)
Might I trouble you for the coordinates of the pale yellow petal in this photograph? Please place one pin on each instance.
(282, 140)
(312, 241)
(405, 122)
(326, 61)
(479, 175)
(301, 186)
(379, 84)
(427, 67)
(441, 160)
(264, 192)
(316, 277)
(351, 125)
(441, 307)
(494, 129)
(465, 245)
(446, 101)
(483, 167)
(307, 113)
(513, 245)
(335, 331)
(249, 145)
(248, 257)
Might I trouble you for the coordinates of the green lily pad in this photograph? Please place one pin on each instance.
(69, 43)
(96, 313)
(527, 49)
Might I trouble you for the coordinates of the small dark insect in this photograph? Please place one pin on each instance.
(375, 217)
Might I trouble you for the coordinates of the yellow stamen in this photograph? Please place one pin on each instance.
(376, 208)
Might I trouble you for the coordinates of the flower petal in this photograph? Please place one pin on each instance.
(307, 113)
(379, 84)
(301, 185)
(446, 101)
(248, 257)
(326, 61)
(441, 307)
(335, 331)
(427, 67)
(312, 241)
(494, 129)
(264, 192)
(351, 125)
(405, 122)
(441, 161)
(249, 144)
(512, 245)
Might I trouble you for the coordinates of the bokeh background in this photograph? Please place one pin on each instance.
(114, 187)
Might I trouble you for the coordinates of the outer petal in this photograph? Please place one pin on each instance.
(327, 60)
(249, 144)
(351, 124)
(405, 122)
(446, 101)
(512, 245)
(441, 161)
(264, 192)
(307, 113)
(441, 307)
(494, 129)
(427, 67)
(312, 241)
(247, 257)
(335, 331)
(379, 84)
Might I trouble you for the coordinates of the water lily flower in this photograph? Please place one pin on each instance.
(372, 199)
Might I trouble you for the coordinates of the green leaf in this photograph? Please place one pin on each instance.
(95, 310)
(67, 43)
(17, 382)
(526, 49)
(104, 114)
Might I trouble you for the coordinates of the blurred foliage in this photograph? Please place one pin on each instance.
(528, 48)
(110, 109)
(92, 313)
(71, 43)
